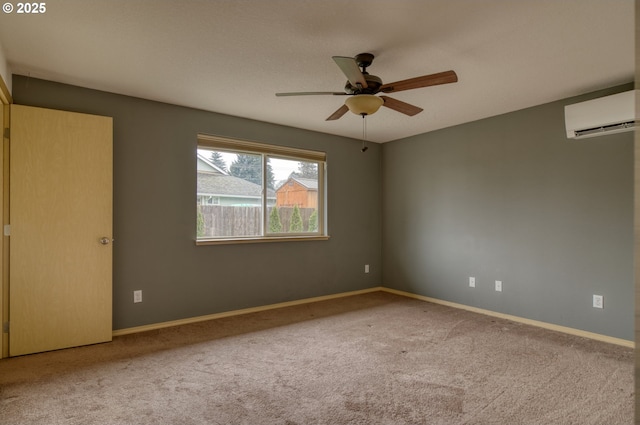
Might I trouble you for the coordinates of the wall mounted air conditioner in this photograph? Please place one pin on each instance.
(605, 115)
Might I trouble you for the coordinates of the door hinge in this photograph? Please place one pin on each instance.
(7, 230)
(5, 327)
(7, 133)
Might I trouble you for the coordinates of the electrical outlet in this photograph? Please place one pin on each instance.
(137, 296)
(472, 282)
(366, 268)
(498, 286)
(598, 301)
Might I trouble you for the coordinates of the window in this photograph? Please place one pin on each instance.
(208, 200)
(248, 191)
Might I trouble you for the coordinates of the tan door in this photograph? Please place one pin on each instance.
(60, 251)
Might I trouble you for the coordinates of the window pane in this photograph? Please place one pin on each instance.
(296, 202)
(229, 194)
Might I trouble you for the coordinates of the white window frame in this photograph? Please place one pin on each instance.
(211, 142)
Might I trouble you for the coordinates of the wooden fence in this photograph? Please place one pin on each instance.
(228, 221)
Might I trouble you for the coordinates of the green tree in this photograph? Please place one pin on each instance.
(275, 225)
(249, 167)
(271, 180)
(307, 170)
(216, 158)
(296, 221)
(200, 224)
(313, 221)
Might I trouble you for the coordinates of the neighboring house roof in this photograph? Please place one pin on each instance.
(204, 164)
(310, 184)
(215, 184)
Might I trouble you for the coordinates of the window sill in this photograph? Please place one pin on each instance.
(230, 241)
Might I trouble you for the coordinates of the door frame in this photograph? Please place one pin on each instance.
(5, 101)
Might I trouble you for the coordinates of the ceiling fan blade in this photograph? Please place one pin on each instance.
(339, 113)
(312, 93)
(400, 106)
(350, 68)
(418, 82)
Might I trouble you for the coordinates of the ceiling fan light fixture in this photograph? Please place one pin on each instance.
(364, 104)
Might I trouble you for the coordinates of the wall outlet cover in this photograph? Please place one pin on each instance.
(472, 282)
(598, 301)
(498, 286)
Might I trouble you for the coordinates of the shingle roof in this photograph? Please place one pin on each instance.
(224, 185)
(311, 184)
(308, 183)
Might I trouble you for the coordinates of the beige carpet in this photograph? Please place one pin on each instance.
(368, 359)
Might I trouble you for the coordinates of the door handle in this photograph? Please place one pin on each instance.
(105, 240)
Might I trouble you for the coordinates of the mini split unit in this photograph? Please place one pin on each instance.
(605, 115)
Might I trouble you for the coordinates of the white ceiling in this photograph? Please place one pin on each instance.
(232, 56)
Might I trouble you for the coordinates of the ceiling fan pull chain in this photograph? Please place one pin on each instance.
(364, 133)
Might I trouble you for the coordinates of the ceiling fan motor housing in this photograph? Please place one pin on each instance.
(373, 85)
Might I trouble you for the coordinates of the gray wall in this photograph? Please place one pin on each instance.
(511, 198)
(154, 212)
(506, 198)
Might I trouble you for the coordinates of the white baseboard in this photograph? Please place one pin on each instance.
(545, 325)
(197, 319)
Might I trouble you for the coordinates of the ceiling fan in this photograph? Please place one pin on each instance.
(362, 87)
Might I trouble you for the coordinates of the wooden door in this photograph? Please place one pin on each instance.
(60, 252)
